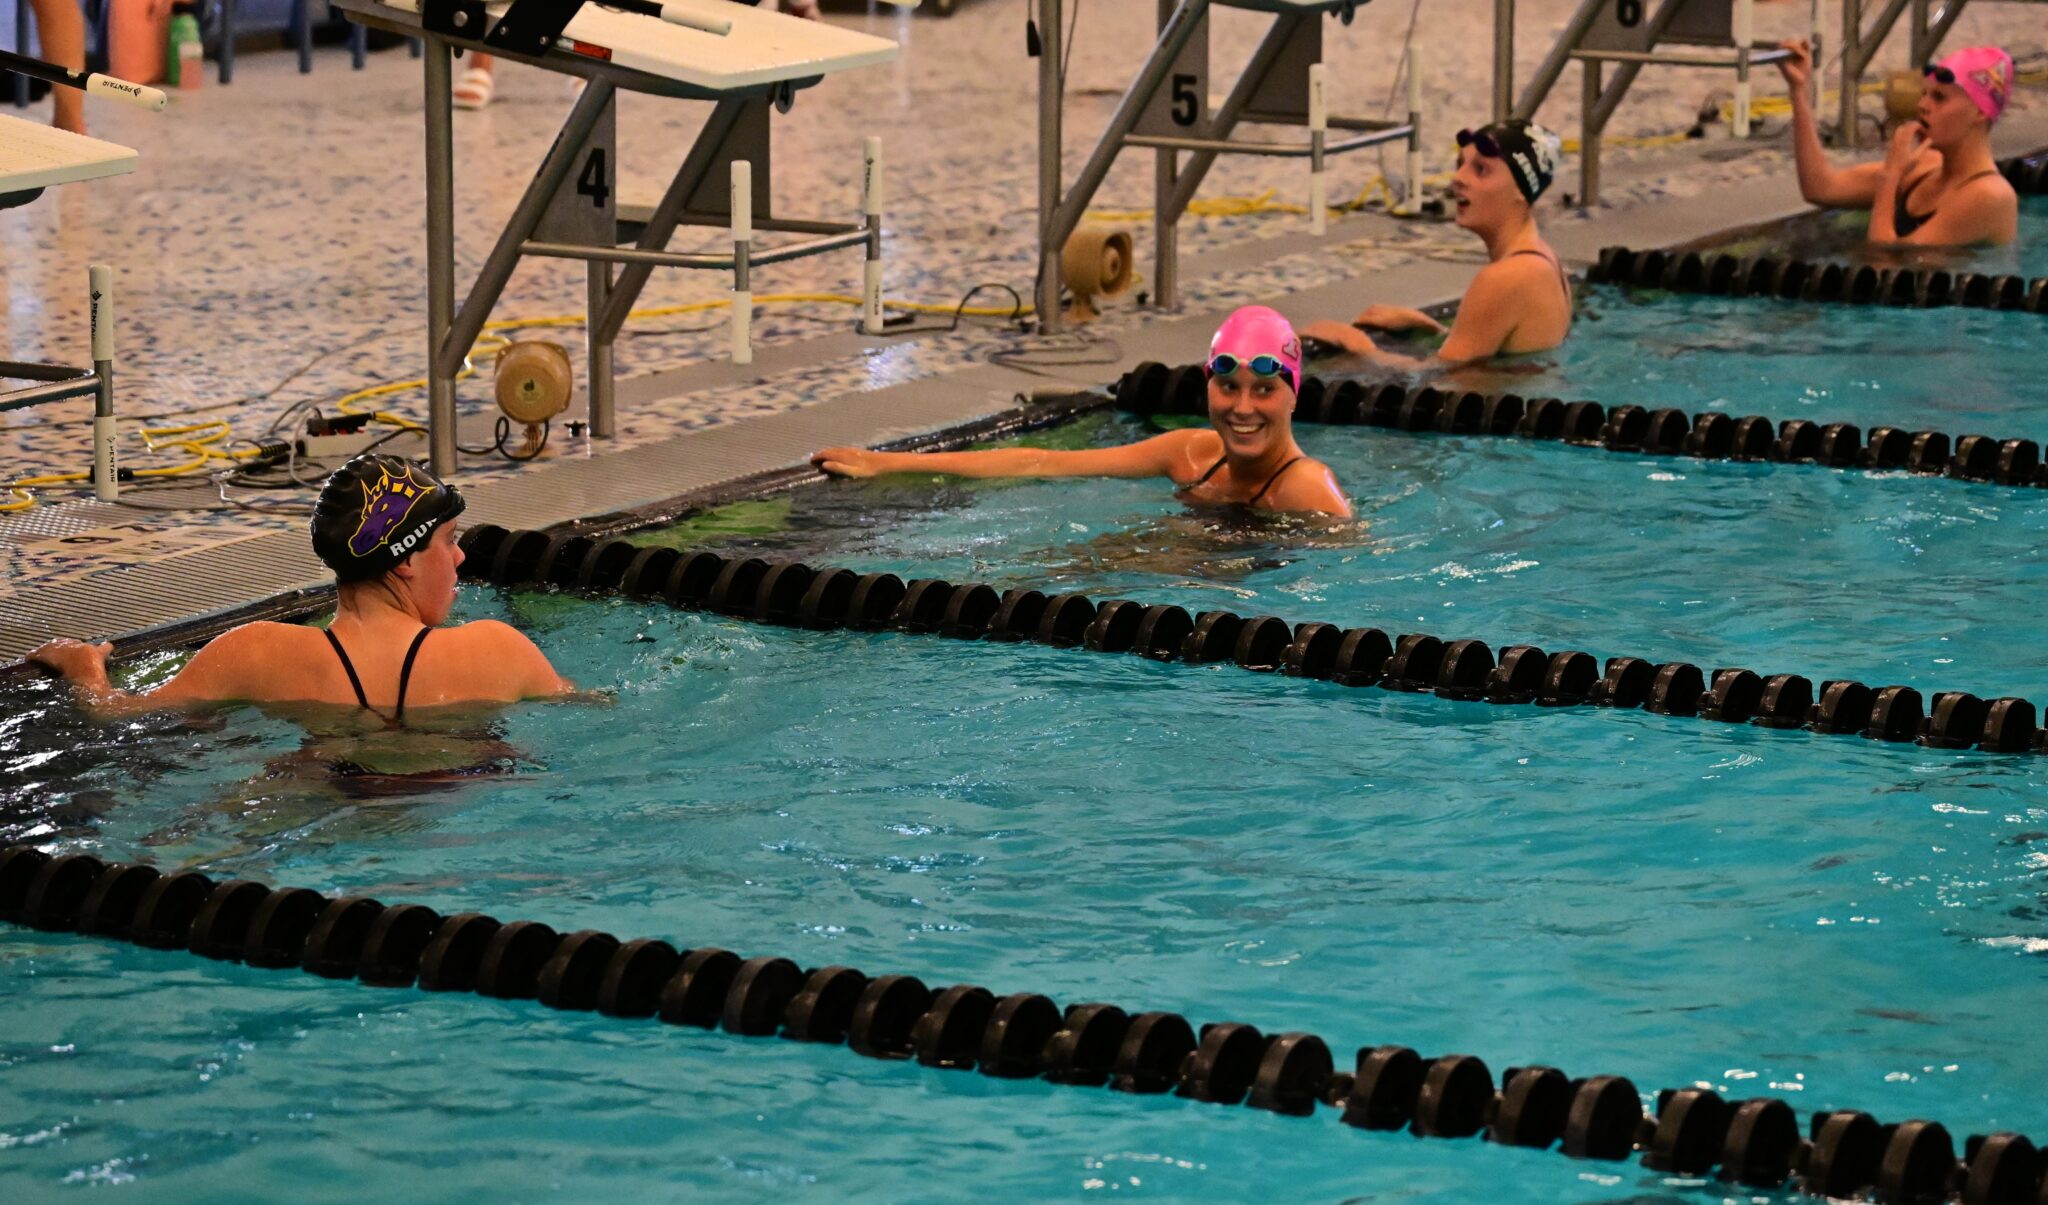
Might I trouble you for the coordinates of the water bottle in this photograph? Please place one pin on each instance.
(187, 65)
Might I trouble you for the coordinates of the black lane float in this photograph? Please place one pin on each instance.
(2028, 174)
(1153, 388)
(797, 595)
(1757, 1142)
(1721, 274)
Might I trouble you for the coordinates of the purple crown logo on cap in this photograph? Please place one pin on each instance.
(386, 503)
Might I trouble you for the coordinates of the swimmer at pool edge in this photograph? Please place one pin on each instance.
(386, 527)
(1521, 301)
(1247, 455)
(1938, 185)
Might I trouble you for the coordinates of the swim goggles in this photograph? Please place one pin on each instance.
(1481, 141)
(1223, 364)
(1940, 74)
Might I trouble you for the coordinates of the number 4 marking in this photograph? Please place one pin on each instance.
(591, 183)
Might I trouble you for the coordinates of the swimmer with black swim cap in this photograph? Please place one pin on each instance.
(386, 527)
(1521, 301)
(1246, 456)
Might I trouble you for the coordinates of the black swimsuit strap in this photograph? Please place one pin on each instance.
(1905, 221)
(405, 673)
(1212, 470)
(1253, 501)
(349, 666)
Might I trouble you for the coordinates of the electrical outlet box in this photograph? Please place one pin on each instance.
(336, 448)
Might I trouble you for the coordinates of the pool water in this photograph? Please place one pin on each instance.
(1838, 234)
(1836, 921)
(1955, 370)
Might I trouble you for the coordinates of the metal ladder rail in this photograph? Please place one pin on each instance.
(1600, 99)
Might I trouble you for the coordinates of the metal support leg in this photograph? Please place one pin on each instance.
(1318, 141)
(1917, 48)
(228, 9)
(1745, 36)
(1503, 59)
(1815, 35)
(105, 479)
(21, 47)
(1165, 232)
(871, 214)
(358, 45)
(1589, 135)
(1852, 71)
(742, 262)
(599, 383)
(440, 255)
(1051, 171)
(1411, 201)
(302, 33)
(1165, 215)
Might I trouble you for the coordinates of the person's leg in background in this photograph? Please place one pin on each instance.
(60, 33)
(476, 83)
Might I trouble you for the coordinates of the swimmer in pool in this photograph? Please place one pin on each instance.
(1246, 456)
(1521, 301)
(1938, 185)
(386, 527)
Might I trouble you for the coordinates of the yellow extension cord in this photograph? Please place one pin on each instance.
(205, 448)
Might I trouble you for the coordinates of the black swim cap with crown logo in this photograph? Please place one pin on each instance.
(377, 510)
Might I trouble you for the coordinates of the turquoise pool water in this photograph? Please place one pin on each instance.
(1955, 370)
(1832, 920)
(1843, 235)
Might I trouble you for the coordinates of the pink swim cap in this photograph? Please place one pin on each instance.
(1256, 330)
(1984, 73)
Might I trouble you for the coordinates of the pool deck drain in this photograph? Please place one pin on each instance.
(120, 575)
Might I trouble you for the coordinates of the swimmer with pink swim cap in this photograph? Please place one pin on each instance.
(1938, 184)
(1245, 457)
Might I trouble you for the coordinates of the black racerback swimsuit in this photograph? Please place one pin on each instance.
(404, 674)
(1905, 221)
(1253, 500)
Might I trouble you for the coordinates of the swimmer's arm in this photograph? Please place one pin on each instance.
(216, 673)
(1154, 457)
(1397, 318)
(1820, 181)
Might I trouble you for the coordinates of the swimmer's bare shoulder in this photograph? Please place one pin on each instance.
(1310, 487)
(500, 664)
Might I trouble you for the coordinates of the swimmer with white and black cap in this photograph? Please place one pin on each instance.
(1246, 456)
(386, 527)
(1521, 301)
(1938, 185)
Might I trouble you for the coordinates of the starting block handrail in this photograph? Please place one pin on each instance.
(1761, 53)
(1254, 99)
(1599, 98)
